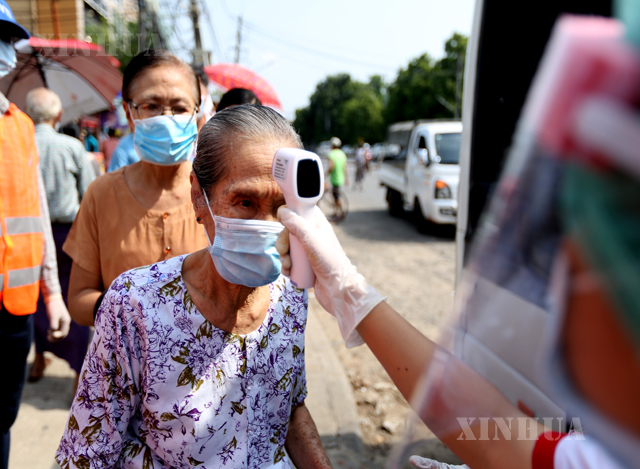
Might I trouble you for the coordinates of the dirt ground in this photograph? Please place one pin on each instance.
(417, 273)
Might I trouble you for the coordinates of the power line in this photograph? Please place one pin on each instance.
(330, 47)
(316, 52)
(239, 39)
(227, 11)
(216, 44)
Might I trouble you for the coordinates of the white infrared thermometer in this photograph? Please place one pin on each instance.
(299, 174)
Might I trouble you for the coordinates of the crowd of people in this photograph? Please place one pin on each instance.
(179, 259)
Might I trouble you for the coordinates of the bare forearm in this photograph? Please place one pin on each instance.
(303, 441)
(401, 349)
(84, 290)
(81, 306)
(456, 392)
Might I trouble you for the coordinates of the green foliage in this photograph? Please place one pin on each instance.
(353, 110)
(123, 46)
(344, 107)
(421, 88)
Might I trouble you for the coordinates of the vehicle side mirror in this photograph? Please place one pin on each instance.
(423, 155)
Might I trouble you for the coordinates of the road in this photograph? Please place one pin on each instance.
(417, 273)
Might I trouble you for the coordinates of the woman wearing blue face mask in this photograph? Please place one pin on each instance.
(142, 213)
(199, 359)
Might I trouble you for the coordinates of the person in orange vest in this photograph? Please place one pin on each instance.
(27, 250)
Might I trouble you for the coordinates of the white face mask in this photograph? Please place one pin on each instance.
(621, 444)
(7, 58)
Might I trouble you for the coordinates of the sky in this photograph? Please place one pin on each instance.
(295, 44)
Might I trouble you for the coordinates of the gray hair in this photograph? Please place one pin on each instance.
(43, 105)
(244, 123)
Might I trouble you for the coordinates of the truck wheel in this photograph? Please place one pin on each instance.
(394, 202)
(422, 224)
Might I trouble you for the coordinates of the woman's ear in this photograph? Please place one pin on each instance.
(197, 199)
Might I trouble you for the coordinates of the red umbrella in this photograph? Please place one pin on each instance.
(84, 76)
(229, 76)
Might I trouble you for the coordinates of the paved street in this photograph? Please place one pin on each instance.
(417, 272)
(358, 411)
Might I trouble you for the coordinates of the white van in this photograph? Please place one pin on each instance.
(421, 170)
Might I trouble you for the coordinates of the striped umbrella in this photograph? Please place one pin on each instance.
(229, 76)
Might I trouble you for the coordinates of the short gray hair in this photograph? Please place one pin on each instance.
(43, 105)
(244, 123)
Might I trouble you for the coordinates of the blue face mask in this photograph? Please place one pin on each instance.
(244, 251)
(7, 58)
(165, 140)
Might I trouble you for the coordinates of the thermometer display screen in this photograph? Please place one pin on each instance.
(308, 178)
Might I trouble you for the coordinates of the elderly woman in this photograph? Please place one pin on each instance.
(199, 359)
(142, 213)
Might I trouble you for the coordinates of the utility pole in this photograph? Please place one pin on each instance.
(239, 39)
(142, 25)
(200, 57)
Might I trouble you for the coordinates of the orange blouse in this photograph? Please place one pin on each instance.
(113, 233)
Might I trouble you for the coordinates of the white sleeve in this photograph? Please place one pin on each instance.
(579, 452)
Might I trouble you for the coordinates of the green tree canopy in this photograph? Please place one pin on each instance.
(429, 88)
(426, 89)
(345, 108)
(123, 46)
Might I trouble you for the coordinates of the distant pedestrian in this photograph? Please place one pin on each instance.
(66, 172)
(110, 145)
(361, 164)
(27, 252)
(206, 110)
(124, 154)
(90, 140)
(72, 129)
(338, 174)
(236, 97)
(368, 155)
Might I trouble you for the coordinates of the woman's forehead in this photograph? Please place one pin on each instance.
(251, 160)
(163, 82)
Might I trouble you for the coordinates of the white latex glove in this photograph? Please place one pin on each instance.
(424, 463)
(339, 288)
(59, 319)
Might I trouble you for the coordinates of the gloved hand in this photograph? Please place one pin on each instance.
(424, 463)
(339, 288)
(59, 319)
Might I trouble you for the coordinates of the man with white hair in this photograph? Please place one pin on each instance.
(67, 173)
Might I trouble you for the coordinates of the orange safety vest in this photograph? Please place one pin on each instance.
(21, 237)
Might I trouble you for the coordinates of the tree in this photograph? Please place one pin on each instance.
(121, 42)
(427, 88)
(361, 117)
(345, 108)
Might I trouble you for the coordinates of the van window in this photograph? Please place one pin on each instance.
(448, 147)
(422, 143)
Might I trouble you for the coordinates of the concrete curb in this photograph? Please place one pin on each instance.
(330, 400)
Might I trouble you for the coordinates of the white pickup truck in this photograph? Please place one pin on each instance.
(421, 172)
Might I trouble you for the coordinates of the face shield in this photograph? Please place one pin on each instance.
(568, 174)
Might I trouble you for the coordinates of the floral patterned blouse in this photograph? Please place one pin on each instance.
(163, 388)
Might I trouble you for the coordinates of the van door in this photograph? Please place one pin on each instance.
(418, 169)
